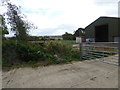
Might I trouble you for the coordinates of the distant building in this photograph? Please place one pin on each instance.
(56, 37)
(80, 39)
(104, 29)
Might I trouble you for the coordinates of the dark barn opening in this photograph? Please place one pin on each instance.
(101, 33)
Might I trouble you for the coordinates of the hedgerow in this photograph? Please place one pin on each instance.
(15, 53)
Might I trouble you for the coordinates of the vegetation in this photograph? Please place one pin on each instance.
(17, 22)
(49, 53)
(67, 36)
(80, 32)
(65, 42)
(17, 51)
(3, 27)
(68, 42)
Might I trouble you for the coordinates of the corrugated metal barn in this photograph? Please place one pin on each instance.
(104, 29)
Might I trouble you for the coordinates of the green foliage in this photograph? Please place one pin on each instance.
(9, 55)
(75, 54)
(17, 21)
(54, 47)
(61, 53)
(79, 32)
(15, 53)
(67, 36)
(3, 27)
(65, 42)
(29, 51)
(12, 38)
(30, 62)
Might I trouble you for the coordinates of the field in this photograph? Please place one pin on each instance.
(65, 42)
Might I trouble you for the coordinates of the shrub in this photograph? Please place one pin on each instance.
(52, 52)
(9, 54)
(29, 51)
(56, 48)
(60, 52)
(14, 53)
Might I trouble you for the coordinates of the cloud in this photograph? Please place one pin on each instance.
(119, 9)
(61, 29)
(55, 14)
(60, 16)
(110, 6)
(106, 2)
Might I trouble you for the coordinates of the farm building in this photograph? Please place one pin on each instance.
(56, 37)
(104, 29)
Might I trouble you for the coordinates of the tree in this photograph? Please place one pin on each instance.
(3, 26)
(15, 20)
(67, 36)
(79, 32)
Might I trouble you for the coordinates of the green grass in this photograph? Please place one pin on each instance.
(68, 42)
(65, 42)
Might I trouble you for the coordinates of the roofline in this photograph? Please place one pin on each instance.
(102, 17)
(109, 17)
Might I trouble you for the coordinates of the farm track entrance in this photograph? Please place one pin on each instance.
(106, 52)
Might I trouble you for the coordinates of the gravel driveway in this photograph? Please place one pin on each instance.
(85, 74)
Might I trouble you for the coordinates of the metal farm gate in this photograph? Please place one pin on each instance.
(106, 52)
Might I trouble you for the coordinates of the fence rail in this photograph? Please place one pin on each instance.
(106, 52)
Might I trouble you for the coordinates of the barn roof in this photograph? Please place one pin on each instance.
(103, 17)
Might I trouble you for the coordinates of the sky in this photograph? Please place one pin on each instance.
(55, 17)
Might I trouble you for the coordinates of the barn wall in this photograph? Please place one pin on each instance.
(112, 27)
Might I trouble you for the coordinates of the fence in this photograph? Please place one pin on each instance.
(106, 52)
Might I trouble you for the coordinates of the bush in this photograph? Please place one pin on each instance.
(29, 51)
(60, 52)
(53, 52)
(56, 48)
(14, 53)
(9, 54)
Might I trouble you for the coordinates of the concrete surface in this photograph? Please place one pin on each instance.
(0, 78)
(85, 74)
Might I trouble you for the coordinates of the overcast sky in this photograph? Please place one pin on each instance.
(55, 17)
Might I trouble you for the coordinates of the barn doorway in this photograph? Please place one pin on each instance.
(101, 33)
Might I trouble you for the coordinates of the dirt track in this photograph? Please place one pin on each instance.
(85, 74)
